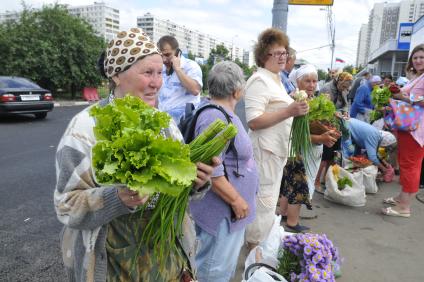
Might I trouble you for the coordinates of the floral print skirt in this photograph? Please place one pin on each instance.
(294, 185)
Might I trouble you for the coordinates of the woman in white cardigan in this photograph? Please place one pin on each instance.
(269, 113)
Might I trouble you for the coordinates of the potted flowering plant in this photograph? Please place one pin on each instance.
(308, 257)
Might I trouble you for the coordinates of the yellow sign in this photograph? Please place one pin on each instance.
(312, 2)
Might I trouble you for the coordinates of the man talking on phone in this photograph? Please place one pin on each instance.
(182, 79)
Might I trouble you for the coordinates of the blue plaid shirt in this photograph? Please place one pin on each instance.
(288, 85)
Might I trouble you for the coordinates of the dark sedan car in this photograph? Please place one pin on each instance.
(19, 95)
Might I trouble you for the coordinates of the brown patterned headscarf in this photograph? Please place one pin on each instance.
(125, 49)
(344, 76)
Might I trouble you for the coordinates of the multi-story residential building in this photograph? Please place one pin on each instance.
(361, 59)
(411, 10)
(190, 40)
(103, 19)
(248, 58)
(385, 50)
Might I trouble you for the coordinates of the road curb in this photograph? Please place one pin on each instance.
(71, 103)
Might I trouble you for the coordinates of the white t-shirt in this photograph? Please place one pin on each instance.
(173, 96)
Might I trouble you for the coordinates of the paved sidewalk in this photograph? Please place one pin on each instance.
(375, 248)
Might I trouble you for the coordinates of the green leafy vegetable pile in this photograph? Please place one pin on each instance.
(379, 98)
(343, 182)
(131, 150)
(321, 108)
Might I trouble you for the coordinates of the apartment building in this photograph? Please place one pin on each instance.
(190, 40)
(103, 19)
(361, 59)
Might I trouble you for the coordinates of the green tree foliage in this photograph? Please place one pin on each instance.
(246, 70)
(190, 55)
(218, 54)
(205, 72)
(349, 69)
(52, 48)
(322, 74)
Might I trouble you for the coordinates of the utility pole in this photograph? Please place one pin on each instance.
(280, 11)
(331, 32)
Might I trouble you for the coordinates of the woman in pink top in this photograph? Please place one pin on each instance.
(410, 144)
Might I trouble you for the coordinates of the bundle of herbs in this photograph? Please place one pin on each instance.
(300, 138)
(132, 149)
(168, 216)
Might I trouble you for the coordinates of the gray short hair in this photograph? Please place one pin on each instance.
(224, 79)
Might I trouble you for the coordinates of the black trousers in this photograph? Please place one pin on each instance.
(422, 176)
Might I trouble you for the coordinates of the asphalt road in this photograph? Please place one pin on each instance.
(29, 230)
(374, 247)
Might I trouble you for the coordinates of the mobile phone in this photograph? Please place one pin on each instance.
(178, 53)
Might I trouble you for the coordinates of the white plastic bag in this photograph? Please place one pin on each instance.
(369, 180)
(266, 253)
(272, 243)
(350, 196)
(264, 274)
(379, 124)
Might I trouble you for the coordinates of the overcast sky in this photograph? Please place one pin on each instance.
(242, 21)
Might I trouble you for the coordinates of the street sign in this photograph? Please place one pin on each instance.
(404, 37)
(312, 2)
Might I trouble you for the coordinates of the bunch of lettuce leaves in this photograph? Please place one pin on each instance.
(321, 108)
(379, 98)
(132, 150)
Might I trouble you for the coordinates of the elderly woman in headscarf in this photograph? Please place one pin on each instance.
(338, 89)
(297, 185)
(102, 225)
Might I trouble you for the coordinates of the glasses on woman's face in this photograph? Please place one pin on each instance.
(279, 55)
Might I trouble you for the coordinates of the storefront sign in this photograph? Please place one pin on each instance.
(404, 38)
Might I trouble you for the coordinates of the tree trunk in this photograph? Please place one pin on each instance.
(73, 91)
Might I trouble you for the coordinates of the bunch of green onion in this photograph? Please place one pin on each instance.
(300, 138)
(166, 222)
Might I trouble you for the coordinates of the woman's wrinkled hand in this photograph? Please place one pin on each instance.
(298, 108)
(399, 96)
(328, 138)
(131, 198)
(240, 208)
(204, 172)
